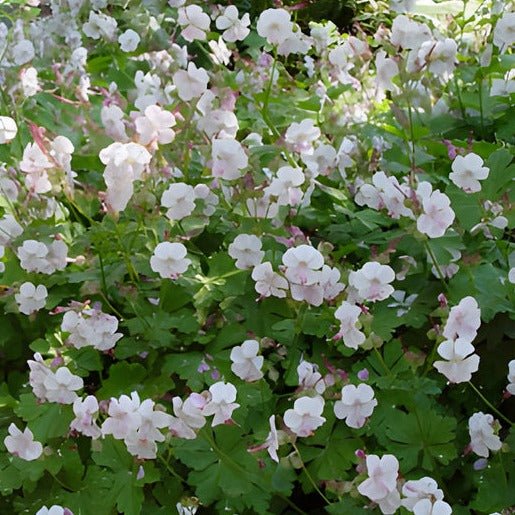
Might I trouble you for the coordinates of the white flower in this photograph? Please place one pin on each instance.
(35, 164)
(390, 503)
(310, 378)
(169, 260)
(31, 298)
(229, 158)
(464, 320)
(348, 315)
(179, 198)
(286, 186)
(221, 404)
(61, 386)
(132, 157)
(296, 43)
(460, 362)
(23, 444)
(422, 489)
(246, 363)
(275, 25)
(311, 293)
(9, 229)
(85, 411)
(188, 416)
(408, 33)
(8, 129)
(322, 161)
(328, 280)
(482, 436)
(303, 264)
(305, 417)
(372, 281)
(124, 417)
(129, 40)
(125, 163)
(112, 120)
(195, 22)
(38, 373)
(53, 510)
(440, 56)
(246, 249)
(23, 52)
(155, 126)
(29, 81)
(35, 256)
(91, 327)
(468, 171)
(272, 440)
(356, 405)
(504, 32)
(386, 70)
(269, 282)
(100, 25)
(438, 214)
(427, 507)
(209, 199)
(382, 477)
(511, 377)
(234, 28)
(192, 83)
(301, 136)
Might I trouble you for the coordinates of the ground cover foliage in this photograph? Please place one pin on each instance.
(255, 257)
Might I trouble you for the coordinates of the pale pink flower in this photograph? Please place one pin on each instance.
(460, 362)
(437, 214)
(275, 25)
(246, 249)
(31, 298)
(382, 477)
(246, 363)
(356, 405)
(464, 320)
(179, 198)
(8, 129)
(372, 281)
(269, 282)
(22, 444)
(467, 171)
(191, 83)
(221, 404)
(195, 23)
(482, 436)
(61, 386)
(234, 28)
(155, 126)
(301, 136)
(169, 260)
(285, 186)
(305, 417)
(348, 315)
(229, 158)
(124, 416)
(310, 378)
(303, 264)
(86, 411)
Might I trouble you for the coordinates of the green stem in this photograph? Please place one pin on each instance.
(382, 361)
(126, 257)
(171, 470)
(490, 405)
(436, 265)
(310, 477)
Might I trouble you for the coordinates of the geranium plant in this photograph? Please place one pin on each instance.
(254, 260)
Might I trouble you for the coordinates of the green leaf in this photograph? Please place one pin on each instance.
(427, 434)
